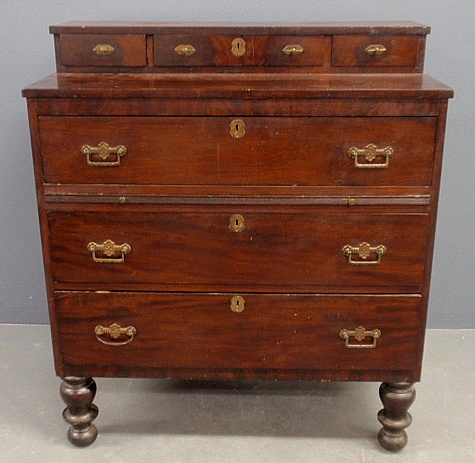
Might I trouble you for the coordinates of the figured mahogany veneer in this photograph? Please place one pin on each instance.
(240, 202)
(197, 333)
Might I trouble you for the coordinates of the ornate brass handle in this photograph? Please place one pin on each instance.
(237, 304)
(370, 153)
(115, 331)
(364, 250)
(109, 249)
(292, 49)
(375, 49)
(238, 47)
(185, 50)
(237, 128)
(103, 152)
(360, 334)
(103, 49)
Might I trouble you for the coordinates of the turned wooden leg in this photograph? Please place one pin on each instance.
(396, 398)
(78, 394)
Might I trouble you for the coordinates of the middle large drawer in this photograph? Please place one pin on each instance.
(298, 248)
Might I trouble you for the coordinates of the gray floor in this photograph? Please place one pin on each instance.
(187, 422)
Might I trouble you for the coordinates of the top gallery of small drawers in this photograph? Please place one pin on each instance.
(145, 47)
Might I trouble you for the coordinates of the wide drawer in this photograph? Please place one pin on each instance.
(127, 50)
(373, 151)
(146, 333)
(240, 248)
(377, 50)
(227, 50)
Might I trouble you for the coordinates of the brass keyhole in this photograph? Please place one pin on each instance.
(238, 47)
(237, 128)
(236, 223)
(237, 304)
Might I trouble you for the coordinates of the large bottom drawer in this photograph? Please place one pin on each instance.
(247, 336)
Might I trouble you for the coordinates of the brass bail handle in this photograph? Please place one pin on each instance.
(103, 155)
(360, 334)
(369, 153)
(364, 251)
(115, 331)
(115, 253)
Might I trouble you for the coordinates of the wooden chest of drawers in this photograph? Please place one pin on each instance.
(238, 202)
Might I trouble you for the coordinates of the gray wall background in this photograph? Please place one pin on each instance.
(26, 55)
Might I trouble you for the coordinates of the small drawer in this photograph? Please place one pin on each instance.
(227, 50)
(124, 50)
(373, 151)
(377, 51)
(323, 247)
(295, 51)
(103, 334)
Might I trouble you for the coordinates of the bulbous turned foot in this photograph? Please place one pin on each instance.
(78, 394)
(396, 398)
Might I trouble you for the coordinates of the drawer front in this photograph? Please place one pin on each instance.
(375, 151)
(202, 331)
(127, 50)
(223, 50)
(376, 50)
(240, 248)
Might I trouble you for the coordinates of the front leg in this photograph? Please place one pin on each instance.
(78, 394)
(396, 398)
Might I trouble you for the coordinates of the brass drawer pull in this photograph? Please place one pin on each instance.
(236, 223)
(103, 49)
(375, 49)
(237, 304)
(364, 250)
(370, 153)
(290, 50)
(360, 334)
(185, 50)
(237, 128)
(115, 331)
(238, 47)
(104, 151)
(109, 249)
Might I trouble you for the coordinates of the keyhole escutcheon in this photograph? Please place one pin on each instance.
(236, 223)
(237, 304)
(237, 128)
(238, 47)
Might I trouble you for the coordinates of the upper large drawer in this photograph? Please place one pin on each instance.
(374, 151)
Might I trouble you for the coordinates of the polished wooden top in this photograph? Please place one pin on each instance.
(245, 86)
(300, 28)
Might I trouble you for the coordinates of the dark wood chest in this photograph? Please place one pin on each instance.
(238, 202)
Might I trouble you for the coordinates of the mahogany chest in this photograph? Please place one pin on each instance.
(246, 201)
